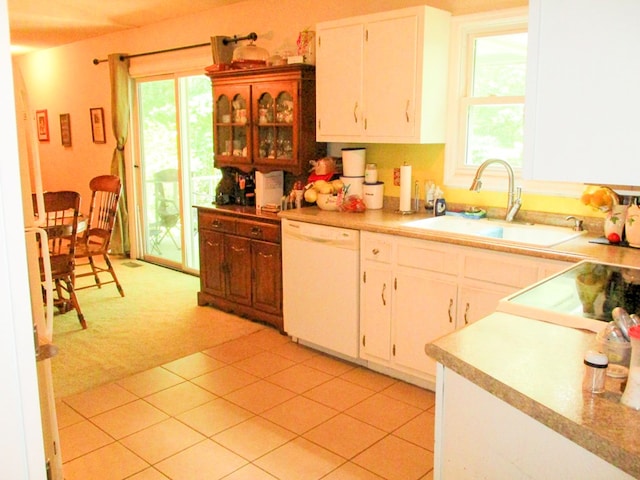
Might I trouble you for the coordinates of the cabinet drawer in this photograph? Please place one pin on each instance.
(376, 249)
(219, 223)
(507, 272)
(260, 231)
(426, 258)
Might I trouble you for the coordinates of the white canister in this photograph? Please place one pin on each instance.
(373, 194)
(353, 185)
(353, 161)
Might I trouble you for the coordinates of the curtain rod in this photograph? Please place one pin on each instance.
(226, 41)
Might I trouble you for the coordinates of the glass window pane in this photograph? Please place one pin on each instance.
(500, 65)
(495, 131)
(158, 142)
(197, 157)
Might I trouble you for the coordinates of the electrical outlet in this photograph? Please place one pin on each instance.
(396, 177)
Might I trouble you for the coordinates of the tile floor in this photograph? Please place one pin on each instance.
(256, 408)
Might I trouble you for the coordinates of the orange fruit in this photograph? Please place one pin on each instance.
(586, 198)
(598, 198)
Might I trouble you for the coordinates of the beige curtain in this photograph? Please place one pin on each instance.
(119, 76)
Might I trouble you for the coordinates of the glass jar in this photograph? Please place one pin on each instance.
(371, 173)
(595, 369)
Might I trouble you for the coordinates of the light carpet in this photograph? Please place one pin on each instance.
(158, 321)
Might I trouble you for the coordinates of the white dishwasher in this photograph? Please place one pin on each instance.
(321, 287)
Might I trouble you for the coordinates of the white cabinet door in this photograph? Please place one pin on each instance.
(390, 86)
(398, 60)
(582, 96)
(339, 60)
(375, 312)
(476, 302)
(423, 310)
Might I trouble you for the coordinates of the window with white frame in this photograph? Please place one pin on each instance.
(486, 101)
(494, 98)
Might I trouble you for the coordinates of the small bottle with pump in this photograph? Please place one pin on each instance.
(440, 205)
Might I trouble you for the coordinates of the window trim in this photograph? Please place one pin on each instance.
(463, 29)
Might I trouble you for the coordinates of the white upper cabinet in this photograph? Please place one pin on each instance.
(583, 92)
(382, 78)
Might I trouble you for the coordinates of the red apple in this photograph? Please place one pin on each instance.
(613, 238)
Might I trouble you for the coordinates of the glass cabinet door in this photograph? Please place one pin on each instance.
(276, 128)
(232, 127)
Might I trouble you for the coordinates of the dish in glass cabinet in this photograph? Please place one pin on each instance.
(244, 64)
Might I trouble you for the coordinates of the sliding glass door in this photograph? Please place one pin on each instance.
(175, 166)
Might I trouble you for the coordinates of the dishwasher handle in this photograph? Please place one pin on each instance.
(326, 235)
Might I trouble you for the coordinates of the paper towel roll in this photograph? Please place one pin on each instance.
(405, 188)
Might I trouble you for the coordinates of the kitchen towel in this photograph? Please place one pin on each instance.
(405, 188)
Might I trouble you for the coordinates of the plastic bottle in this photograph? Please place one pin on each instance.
(631, 395)
(595, 370)
(371, 173)
(430, 193)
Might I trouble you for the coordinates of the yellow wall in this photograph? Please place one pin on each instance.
(427, 163)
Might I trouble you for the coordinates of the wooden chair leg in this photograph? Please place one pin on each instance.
(113, 274)
(95, 271)
(74, 301)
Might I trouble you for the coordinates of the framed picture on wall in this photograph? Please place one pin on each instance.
(43, 125)
(65, 129)
(97, 125)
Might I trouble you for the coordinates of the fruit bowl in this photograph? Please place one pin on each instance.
(327, 201)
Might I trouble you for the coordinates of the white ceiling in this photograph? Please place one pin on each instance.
(49, 23)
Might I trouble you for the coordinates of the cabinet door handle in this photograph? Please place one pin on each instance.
(466, 311)
(375, 251)
(355, 112)
(406, 112)
(265, 255)
(384, 300)
(216, 223)
(256, 231)
(450, 306)
(212, 244)
(237, 249)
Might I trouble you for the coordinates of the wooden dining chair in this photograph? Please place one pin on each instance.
(61, 224)
(94, 242)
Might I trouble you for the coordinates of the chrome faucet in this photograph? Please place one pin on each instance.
(514, 196)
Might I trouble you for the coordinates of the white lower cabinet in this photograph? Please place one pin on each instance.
(403, 302)
(478, 435)
(375, 313)
(424, 307)
(414, 291)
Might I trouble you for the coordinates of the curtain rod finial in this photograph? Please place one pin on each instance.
(96, 61)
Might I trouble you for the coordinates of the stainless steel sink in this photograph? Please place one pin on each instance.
(498, 230)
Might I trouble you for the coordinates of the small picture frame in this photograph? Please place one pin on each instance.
(65, 129)
(97, 125)
(42, 121)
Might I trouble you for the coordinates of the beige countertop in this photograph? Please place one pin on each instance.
(537, 368)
